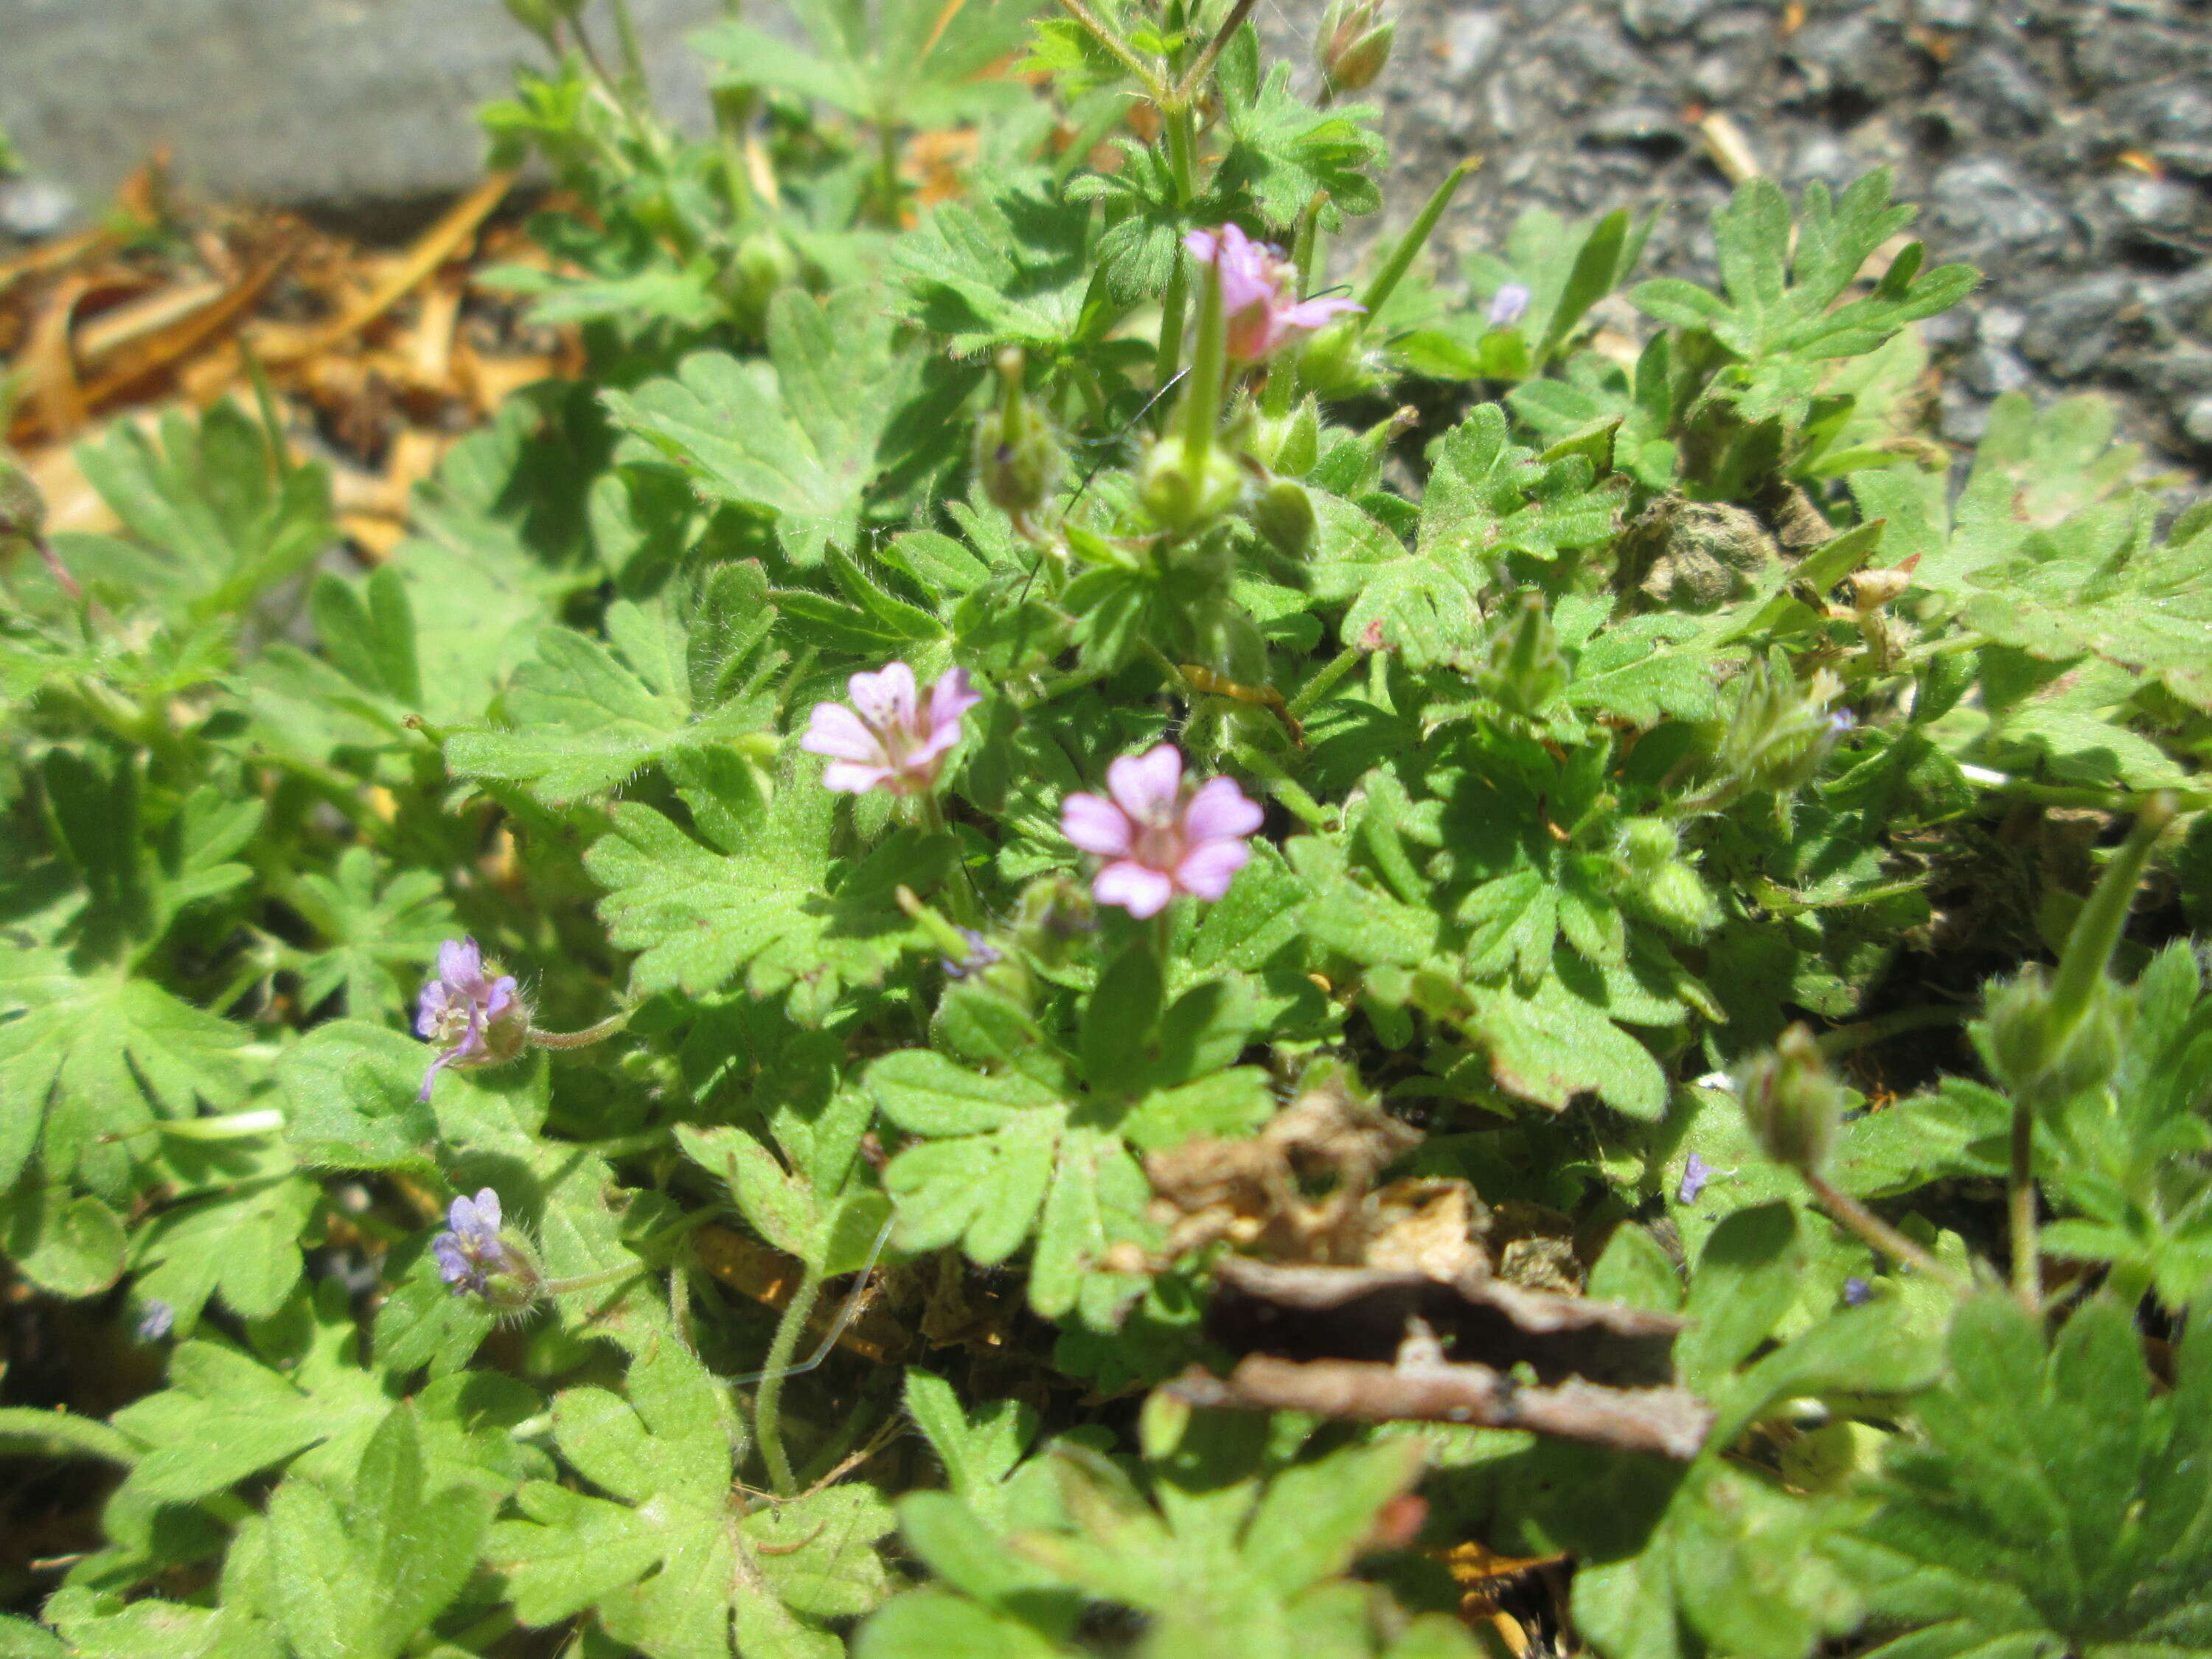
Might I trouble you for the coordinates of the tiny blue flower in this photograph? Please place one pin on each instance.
(1856, 1290)
(1507, 305)
(1695, 1174)
(157, 1321)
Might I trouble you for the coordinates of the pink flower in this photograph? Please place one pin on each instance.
(478, 1019)
(1163, 837)
(895, 740)
(1258, 293)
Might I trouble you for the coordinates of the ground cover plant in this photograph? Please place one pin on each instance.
(1059, 928)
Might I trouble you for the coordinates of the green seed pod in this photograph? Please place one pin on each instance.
(1334, 360)
(763, 263)
(1353, 45)
(1288, 444)
(1791, 1104)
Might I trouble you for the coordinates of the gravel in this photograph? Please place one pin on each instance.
(2063, 146)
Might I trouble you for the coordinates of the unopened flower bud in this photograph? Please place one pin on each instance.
(762, 264)
(1284, 514)
(1648, 845)
(1674, 895)
(2040, 1063)
(1015, 455)
(1180, 499)
(1791, 1104)
(1334, 363)
(23, 508)
(1288, 444)
(1523, 672)
(1781, 732)
(1353, 45)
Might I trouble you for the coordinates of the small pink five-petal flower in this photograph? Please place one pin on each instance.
(1160, 837)
(1258, 294)
(897, 739)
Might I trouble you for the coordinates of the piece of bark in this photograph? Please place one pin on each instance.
(1665, 1420)
(1316, 1313)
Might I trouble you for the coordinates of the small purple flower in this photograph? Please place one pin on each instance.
(980, 954)
(1162, 837)
(477, 1016)
(1507, 305)
(897, 739)
(157, 1321)
(1695, 1174)
(1856, 1292)
(471, 1250)
(1258, 299)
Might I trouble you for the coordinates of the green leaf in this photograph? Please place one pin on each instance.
(585, 720)
(101, 1059)
(698, 915)
(798, 438)
(2054, 1504)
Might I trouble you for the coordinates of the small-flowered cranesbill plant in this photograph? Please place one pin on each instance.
(1198, 783)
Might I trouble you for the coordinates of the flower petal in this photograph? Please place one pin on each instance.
(1095, 825)
(1312, 313)
(1219, 810)
(1139, 891)
(837, 730)
(1146, 786)
(460, 962)
(849, 778)
(1207, 871)
(1202, 244)
(430, 1008)
(953, 695)
(488, 1212)
(886, 699)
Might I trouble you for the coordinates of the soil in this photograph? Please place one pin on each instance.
(2063, 146)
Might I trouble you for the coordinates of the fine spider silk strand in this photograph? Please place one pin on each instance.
(800, 1368)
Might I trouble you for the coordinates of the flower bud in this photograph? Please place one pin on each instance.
(1334, 360)
(1648, 845)
(1674, 897)
(1180, 499)
(1353, 45)
(1284, 514)
(762, 264)
(1873, 589)
(1288, 444)
(1791, 1104)
(1781, 732)
(2041, 1064)
(1015, 455)
(1523, 673)
(23, 508)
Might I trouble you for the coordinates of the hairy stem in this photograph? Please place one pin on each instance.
(767, 1404)
(1107, 36)
(1849, 1212)
(1188, 88)
(2026, 1253)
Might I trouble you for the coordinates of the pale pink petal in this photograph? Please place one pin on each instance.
(1201, 245)
(837, 730)
(459, 962)
(1145, 785)
(1139, 891)
(886, 699)
(849, 778)
(504, 994)
(924, 756)
(1095, 825)
(1218, 811)
(1207, 870)
(430, 1008)
(1312, 313)
(953, 695)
